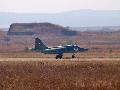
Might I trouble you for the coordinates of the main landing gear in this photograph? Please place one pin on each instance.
(73, 56)
(59, 56)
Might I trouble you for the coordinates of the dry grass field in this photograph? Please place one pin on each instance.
(29, 71)
(60, 75)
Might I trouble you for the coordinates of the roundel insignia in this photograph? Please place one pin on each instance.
(76, 49)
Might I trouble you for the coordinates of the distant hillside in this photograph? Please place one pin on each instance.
(39, 29)
(22, 35)
(97, 29)
(17, 41)
(82, 18)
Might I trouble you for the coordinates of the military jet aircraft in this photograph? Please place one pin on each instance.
(59, 50)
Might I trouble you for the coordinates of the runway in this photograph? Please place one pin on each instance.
(52, 59)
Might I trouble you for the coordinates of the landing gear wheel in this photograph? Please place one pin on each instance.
(59, 56)
(73, 56)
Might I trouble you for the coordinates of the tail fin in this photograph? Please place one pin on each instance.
(39, 44)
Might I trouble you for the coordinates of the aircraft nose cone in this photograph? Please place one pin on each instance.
(83, 49)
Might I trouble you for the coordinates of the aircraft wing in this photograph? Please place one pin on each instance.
(54, 51)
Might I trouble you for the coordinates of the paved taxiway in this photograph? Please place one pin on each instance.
(52, 59)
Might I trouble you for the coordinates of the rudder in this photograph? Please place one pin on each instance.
(39, 44)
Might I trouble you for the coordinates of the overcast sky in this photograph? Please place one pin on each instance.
(54, 6)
